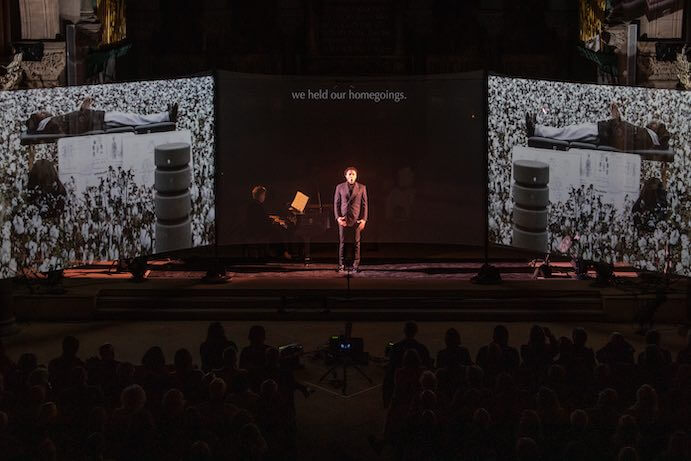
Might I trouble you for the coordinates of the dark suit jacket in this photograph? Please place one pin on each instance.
(74, 123)
(626, 136)
(352, 207)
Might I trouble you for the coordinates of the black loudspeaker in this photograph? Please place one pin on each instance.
(530, 193)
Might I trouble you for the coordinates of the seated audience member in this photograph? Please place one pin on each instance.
(211, 350)
(171, 422)
(131, 427)
(407, 381)
(272, 420)
(529, 425)
(527, 450)
(579, 428)
(423, 438)
(480, 440)
(509, 355)
(200, 451)
(626, 435)
(253, 356)
(241, 395)
(603, 419)
(215, 412)
(10, 445)
(396, 356)
(616, 351)
(628, 454)
(428, 382)
(16, 382)
(251, 444)
(583, 356)
(652, 338)
(95, 447)
(187, 377)
(281, 372)
(103, 370)
(566, 354)
(541, 349)
(60, 368)
(153, 375)
(78, 398)
(406, 387)
(678, 448)
(230, 370)
(454, 355)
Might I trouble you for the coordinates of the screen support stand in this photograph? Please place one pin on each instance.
(488, 274)
(216, 273)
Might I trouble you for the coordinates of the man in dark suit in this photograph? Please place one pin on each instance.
(350, 210)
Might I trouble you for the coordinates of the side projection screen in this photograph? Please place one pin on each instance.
(601, 173)
(417, 145)
(105, 172)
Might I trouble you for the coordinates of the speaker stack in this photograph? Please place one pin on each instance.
(531, 197)
(172, 200)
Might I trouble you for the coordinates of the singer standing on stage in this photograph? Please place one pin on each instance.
(350, 210)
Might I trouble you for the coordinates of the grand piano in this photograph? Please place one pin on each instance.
(313, 221)
(309, 220)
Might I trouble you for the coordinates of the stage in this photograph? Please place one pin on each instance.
(292, 291)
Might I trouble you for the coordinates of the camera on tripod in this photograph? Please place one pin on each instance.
(353, 348)
(346, 347)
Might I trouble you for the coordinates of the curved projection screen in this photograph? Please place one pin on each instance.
(417, 144)
(82, 181)
(613, 173)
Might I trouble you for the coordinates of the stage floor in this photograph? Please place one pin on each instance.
(421, 291)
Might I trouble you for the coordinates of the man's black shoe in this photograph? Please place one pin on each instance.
(529, 124)
(173, 113)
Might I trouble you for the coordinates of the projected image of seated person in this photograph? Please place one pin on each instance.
(87, 119)
(262, 227)
(613, 132)
(651, 207)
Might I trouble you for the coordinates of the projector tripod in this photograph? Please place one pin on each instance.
(345, 361)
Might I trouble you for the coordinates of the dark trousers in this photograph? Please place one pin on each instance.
(343, 233)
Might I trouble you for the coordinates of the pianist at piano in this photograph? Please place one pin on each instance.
(264, 228)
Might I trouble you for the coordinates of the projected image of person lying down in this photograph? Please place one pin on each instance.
(614, 132)
(87, 119)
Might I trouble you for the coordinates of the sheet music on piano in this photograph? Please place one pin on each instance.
(299, 202)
